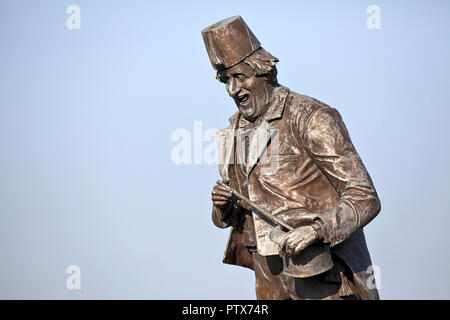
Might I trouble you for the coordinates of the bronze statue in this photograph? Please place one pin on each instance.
(294, 192)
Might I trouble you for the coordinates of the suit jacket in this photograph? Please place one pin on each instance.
(301, 160)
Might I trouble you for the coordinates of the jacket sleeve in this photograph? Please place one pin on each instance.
(222, 218)
(328, 143)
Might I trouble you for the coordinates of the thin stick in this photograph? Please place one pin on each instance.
(266, 214)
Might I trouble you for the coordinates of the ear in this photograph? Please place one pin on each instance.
(221, 75)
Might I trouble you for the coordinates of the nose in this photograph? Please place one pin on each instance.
(232, 87)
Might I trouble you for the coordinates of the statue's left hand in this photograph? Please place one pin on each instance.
(298, 240)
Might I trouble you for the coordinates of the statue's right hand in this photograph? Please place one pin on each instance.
(221, 195)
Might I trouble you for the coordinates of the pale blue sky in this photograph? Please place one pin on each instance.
(86, 118)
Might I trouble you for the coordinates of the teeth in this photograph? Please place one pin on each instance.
(243, 98)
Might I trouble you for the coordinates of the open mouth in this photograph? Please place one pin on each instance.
(243, 99)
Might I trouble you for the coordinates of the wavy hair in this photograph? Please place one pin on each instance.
(262, 63)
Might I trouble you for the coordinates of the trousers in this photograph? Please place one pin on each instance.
(272, 284)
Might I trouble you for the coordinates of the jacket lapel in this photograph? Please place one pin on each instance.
(259, 139)
(258, 144)
(265, 132)
(225, 148)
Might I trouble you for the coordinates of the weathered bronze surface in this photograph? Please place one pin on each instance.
(311, 261)
(291, 156)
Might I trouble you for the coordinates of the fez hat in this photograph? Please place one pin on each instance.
(229, 42)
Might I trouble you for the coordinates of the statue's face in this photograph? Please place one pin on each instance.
(250, 93)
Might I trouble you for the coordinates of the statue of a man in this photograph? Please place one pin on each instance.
(318, 177)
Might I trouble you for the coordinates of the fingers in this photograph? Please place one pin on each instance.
(284, 244)
(296, 241)
(220, 203)
(221, 192)
(291, 246)
(216, 198)
(220, 198)
(224, 186)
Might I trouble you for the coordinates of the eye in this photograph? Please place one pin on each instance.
(239, 76)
